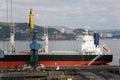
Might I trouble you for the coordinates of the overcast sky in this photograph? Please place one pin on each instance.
(96, 14)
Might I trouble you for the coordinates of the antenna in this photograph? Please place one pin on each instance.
(86, 30)
(4, 43)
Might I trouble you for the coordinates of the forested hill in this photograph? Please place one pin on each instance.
(22, 31)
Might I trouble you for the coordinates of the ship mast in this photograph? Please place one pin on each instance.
(12, 35)
(46, 39)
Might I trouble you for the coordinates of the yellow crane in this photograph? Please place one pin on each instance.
(31, 22)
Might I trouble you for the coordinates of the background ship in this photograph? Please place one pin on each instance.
(89, 54)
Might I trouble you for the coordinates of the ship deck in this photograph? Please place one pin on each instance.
(54, 53)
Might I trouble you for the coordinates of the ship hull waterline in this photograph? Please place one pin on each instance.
(55, 60)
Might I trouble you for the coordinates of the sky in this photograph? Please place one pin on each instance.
(95, 14)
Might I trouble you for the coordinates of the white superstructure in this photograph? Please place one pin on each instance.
(88, 46)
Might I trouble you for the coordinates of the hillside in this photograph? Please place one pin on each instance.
(22, 31)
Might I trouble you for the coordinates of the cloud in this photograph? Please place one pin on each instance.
(2, 5)
(65, 12)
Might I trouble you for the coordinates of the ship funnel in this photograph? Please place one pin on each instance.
(96, 39)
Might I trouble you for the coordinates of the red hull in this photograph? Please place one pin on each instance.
(52, 63)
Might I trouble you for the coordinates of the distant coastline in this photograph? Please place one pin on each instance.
(22, 32)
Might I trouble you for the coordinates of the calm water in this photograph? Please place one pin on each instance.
(114, 46)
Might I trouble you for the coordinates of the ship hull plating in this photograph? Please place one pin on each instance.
(55, 60)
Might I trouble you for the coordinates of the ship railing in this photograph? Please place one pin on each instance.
(91, 53)
(64, 52)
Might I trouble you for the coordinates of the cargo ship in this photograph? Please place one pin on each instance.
(91, 53)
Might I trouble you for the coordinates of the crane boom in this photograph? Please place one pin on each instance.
(31, 22)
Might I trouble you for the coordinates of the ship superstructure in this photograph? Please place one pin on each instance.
(90, 44)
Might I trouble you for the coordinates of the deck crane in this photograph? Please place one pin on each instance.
(34, 46)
